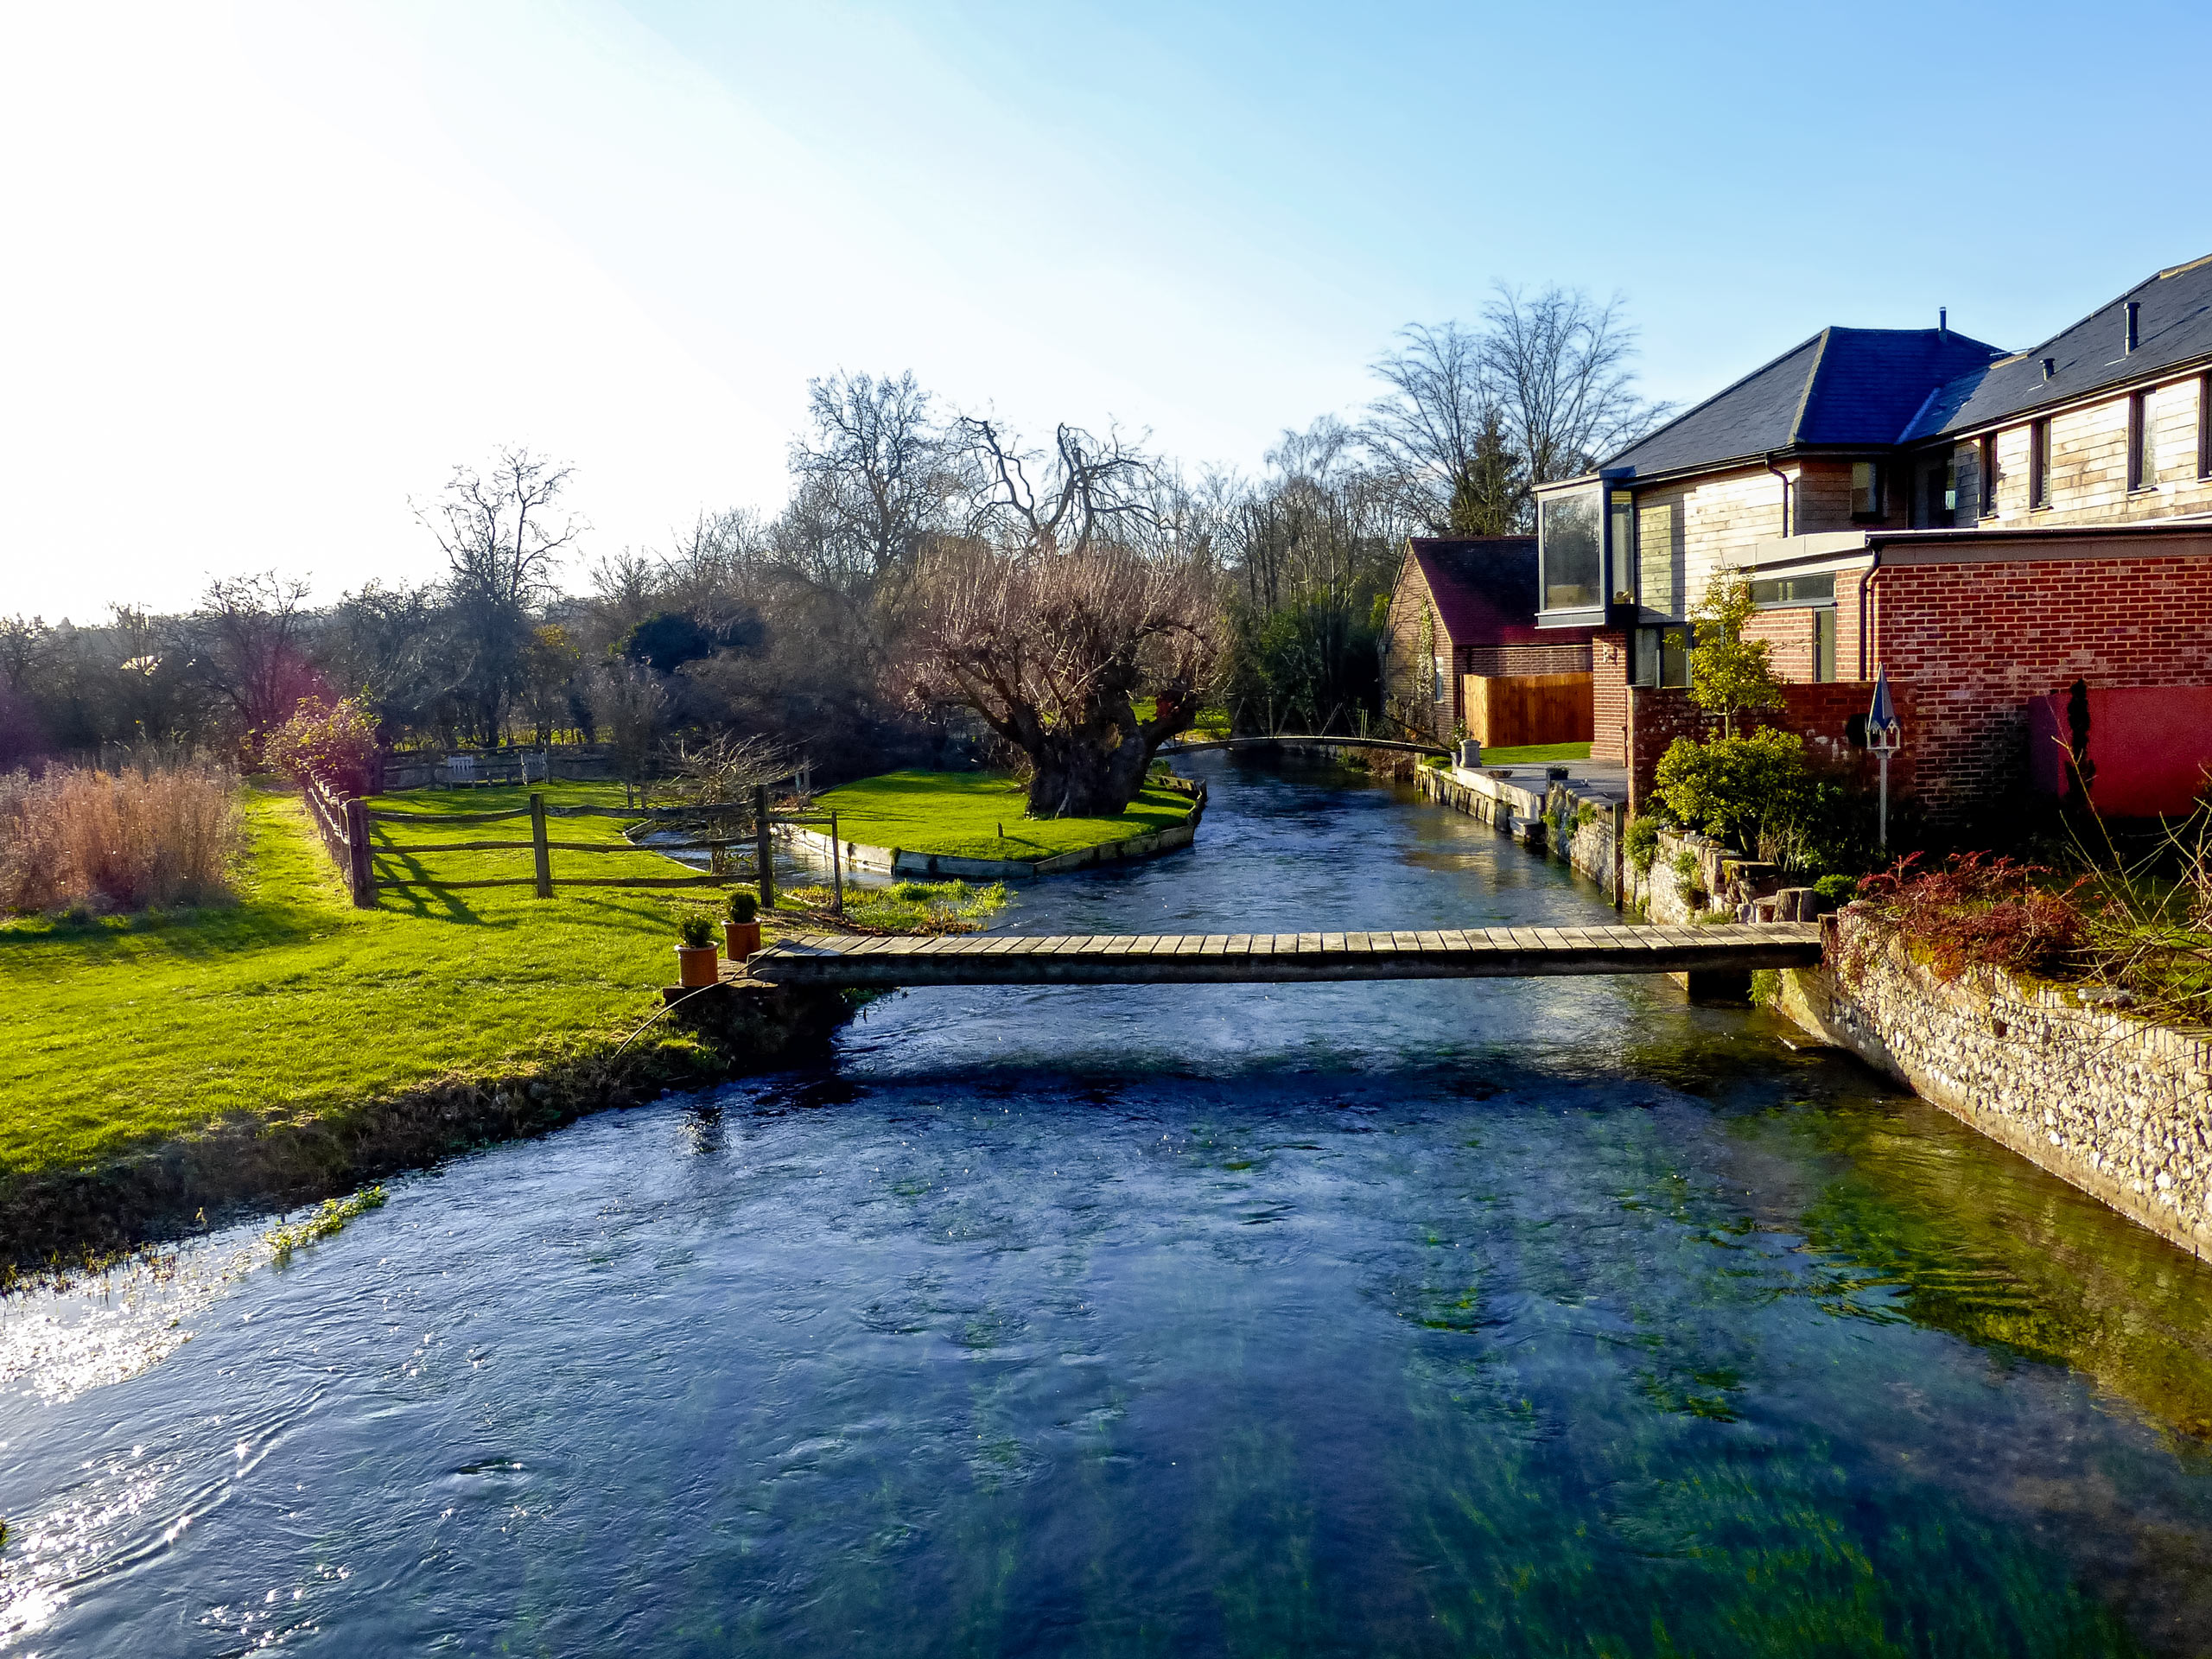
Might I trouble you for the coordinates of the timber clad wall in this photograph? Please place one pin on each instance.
(2088, 466)
(1977, 640)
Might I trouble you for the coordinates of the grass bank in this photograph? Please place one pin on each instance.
(291, 1042)
(1537, 754)
(979, 814)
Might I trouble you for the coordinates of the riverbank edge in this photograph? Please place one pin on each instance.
(900, 863)
(68, 1220)
(2115, 1105)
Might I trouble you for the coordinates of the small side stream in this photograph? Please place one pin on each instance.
(1446, 1317)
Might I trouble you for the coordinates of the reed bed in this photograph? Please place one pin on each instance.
(75, 838)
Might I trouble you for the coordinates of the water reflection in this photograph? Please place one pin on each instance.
(1509, 1319)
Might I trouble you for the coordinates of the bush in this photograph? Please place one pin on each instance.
(741, 905)
(1732, 787)
(1836, 891)
(1763, 795)
(98, 841)
(696, 931)
(1643, 842)
(331, 744)
(1686, 871)
(1977, 911)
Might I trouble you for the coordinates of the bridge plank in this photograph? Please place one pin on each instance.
(830, 959)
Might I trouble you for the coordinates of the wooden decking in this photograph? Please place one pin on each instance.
(1195, 958)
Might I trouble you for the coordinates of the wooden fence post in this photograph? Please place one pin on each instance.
(358, 873)
(538, 847)
(764, 858)
(836, 869)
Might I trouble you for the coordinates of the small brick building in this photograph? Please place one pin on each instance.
(1989, 527)
(1461, 650)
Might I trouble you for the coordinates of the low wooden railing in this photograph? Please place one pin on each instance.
(355, 850)
(344, 826)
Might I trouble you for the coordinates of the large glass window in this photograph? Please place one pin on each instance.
(1663, 657)
(2142, 443)
(1621, 528)
(1569, 552)
(1865, 489)
(1794, 590)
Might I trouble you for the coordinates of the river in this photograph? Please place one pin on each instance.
(1493, 1317)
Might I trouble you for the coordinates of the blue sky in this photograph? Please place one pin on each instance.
(275, 267)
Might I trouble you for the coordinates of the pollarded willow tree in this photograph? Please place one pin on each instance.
(1068, 602)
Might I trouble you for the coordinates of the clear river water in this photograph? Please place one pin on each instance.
(1543, 1316)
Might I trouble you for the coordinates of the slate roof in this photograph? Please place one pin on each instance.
(1486, 590)
(1843, 387)
(2173, 327)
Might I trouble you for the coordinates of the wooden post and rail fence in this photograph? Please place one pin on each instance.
(344, 826)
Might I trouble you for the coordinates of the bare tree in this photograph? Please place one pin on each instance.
(248, 645)
(1053, 649)
(876, 463)
(502, 535)
(1088, 489)
(1441, 430)
(1560, 362)
(630, 704)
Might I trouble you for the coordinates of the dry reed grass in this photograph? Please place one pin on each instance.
(77, 838)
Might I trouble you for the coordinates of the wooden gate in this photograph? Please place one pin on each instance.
(1505, 711)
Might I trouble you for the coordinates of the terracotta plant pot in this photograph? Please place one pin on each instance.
(743, 939)
(697, 967)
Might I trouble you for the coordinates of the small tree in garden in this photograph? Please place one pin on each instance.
(1727, 671)
(333, 743)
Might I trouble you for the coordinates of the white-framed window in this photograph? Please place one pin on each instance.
(1436, 679)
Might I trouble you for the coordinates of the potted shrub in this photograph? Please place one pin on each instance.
(698, 962)
(741, 932)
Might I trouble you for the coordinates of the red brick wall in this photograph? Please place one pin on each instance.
(1788, 636)
(1972, 643)
(1608, 694)
(1818, 713)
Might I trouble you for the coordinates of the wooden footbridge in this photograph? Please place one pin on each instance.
(1268, 959)
(1294, 740)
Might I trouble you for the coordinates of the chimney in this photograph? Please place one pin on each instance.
(2133, 308)
(1942, 323)
(2050, 367)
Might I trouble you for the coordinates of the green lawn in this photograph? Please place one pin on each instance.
(979, 814)
(292, 1003)
(1533, 754)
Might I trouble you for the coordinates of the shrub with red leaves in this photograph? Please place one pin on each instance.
(333, 743)
(1980, 912)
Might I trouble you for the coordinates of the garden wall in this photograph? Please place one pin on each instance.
(2116, 1105)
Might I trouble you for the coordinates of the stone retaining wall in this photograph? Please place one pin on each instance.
(2116, 1105)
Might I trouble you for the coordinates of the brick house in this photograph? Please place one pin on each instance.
(1461, 650)
(1988, 526)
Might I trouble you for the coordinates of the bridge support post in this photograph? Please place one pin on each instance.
(1724, 985)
